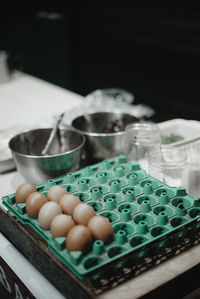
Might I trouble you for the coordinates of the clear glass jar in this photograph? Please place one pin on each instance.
(168, 165)
(140, 139)
(191, 176)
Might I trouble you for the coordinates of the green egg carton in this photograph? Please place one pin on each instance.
(149, 218)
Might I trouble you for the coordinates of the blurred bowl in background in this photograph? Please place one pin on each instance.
(63, 156)
(104, 132)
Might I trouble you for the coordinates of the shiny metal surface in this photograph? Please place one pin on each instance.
(52, 135)
(64, 154)
(104, 132)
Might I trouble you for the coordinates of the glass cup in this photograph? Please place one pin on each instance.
(140, 139)
(191, 178)
(168, 165)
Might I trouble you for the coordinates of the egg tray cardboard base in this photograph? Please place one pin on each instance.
(151, 221)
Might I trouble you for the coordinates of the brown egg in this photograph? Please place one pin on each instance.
(55, 192)
(79, 238)
(60, 225)
(68, 202)
(23, 192)
(34, 202)
(82, 213)
(101, 229)
(47, 212)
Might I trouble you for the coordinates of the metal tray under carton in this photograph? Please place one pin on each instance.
(176, 132)
(150, 219)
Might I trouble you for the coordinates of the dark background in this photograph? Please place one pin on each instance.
(150, 48)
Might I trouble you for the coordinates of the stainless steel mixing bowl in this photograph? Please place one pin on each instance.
(104, 132)
(63, 156)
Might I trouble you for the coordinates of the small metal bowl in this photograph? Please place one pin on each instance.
(63, 156)
(104, 132)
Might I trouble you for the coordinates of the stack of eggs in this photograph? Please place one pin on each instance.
(65, 216)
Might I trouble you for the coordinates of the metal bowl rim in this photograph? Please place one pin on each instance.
(92, 134)
(47, 156)
(100, 134)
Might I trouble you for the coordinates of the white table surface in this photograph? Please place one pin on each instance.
(27, 99)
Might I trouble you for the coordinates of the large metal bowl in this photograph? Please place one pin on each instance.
(104, 132)
(63, 156)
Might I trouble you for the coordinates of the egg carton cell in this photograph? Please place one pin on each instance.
(116, 184)
(153, 200)
(163, 208)
(110, 215)
(136, 176)
(163, 191)
(182, 202)
(83, 196)
(98, 191)
(97, 206)
(194, 212)
(136, 190)
(86, 180)
(92, 262)
(159, 230)
(121, 236)
(138, 240)
(116, 250)
(196, 201)
(116, 197)
(178, 220)
(70, 188)
(149, 218)
(103, 176)
(128, 228)
(150, 183)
